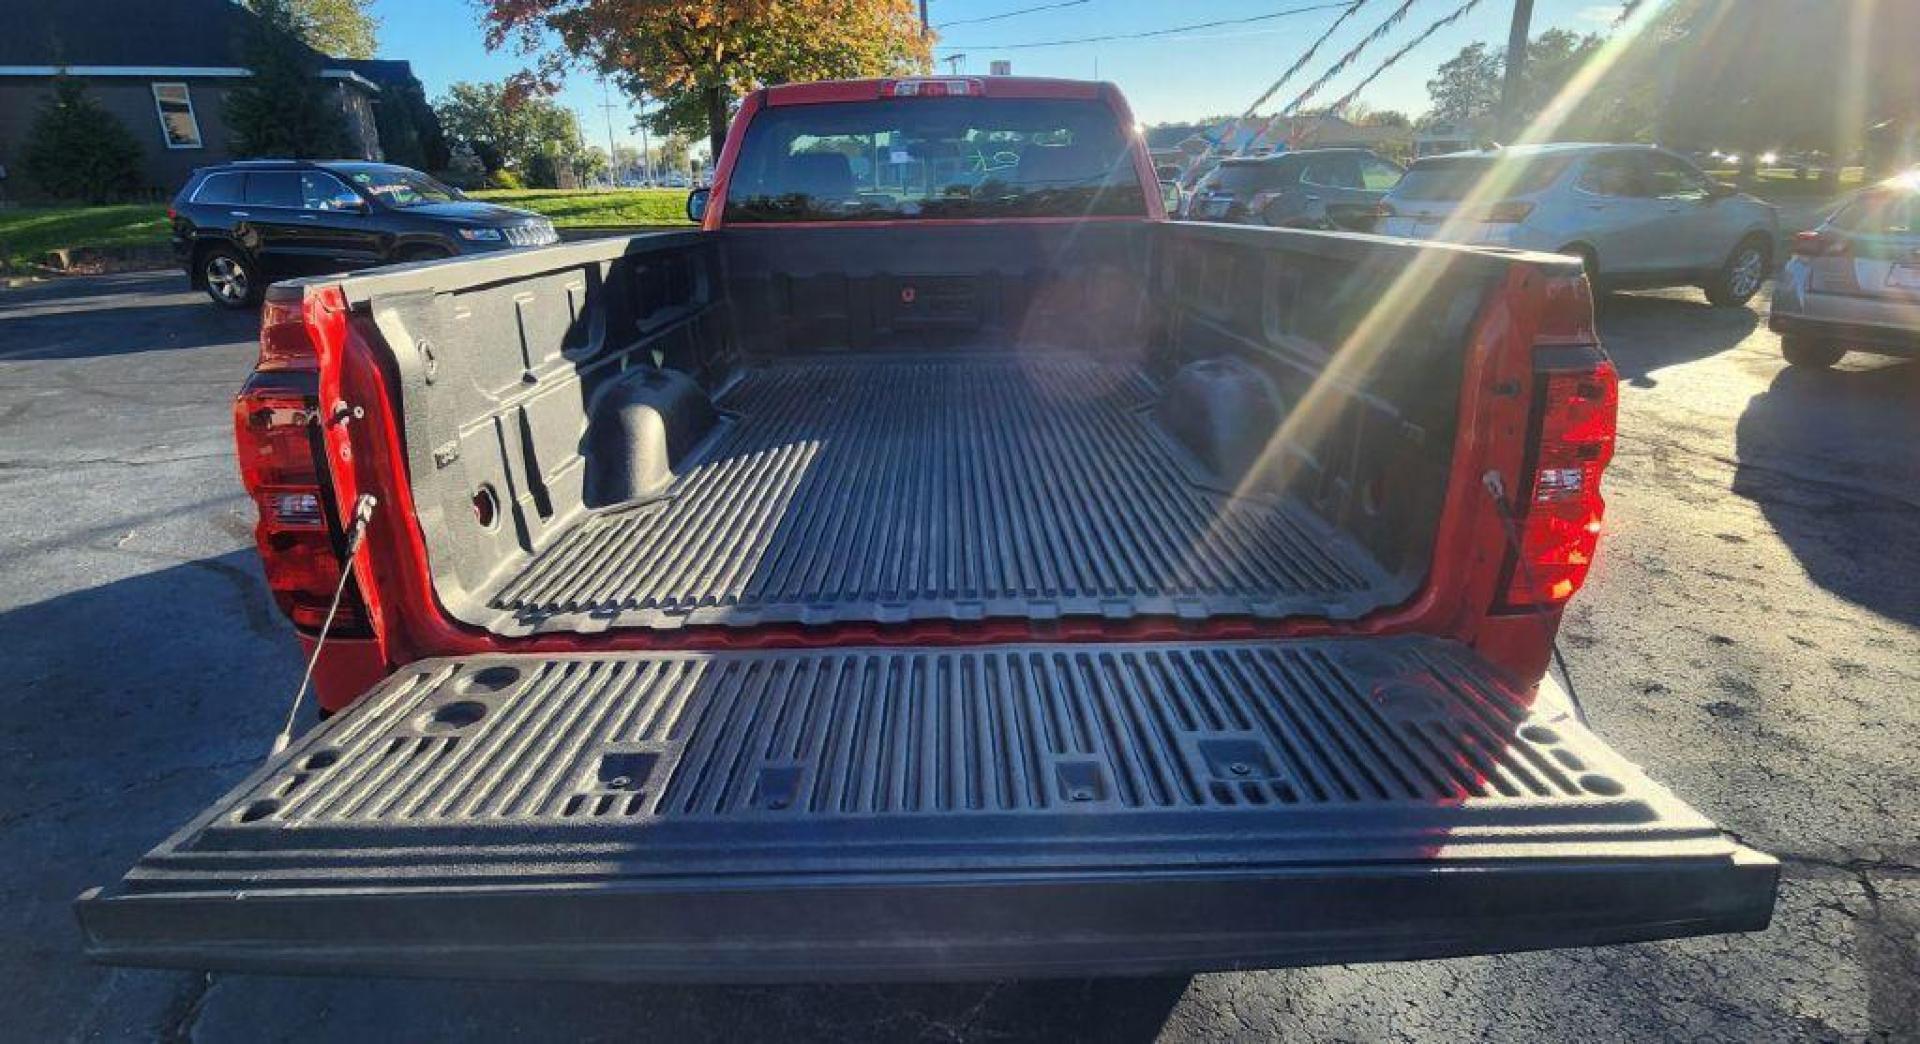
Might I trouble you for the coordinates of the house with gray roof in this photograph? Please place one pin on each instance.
(163, 68)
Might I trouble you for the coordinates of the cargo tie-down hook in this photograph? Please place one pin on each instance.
(362, 513)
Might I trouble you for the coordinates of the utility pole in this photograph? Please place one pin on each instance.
(646, 148)
(1509, 128)
(923, 17)
(606, 106)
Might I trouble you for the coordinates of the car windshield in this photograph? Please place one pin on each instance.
(1882, 213)
(400, 187)
(1452, 178)
(935, 158)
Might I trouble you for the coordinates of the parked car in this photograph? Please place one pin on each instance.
(1304, 189)
(1635, 215)
(917, 572)
(240, 226)
(1853, 283)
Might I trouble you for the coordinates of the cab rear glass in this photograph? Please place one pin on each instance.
(966, 157)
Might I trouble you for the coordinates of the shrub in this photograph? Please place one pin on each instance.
(505, 179)
(284, 109)
(76, 149)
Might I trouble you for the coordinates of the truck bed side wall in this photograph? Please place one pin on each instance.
(537, 387)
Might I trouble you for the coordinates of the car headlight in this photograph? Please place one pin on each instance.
(480, 235)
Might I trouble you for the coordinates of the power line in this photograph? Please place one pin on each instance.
(1012, 14)
(1304, 58)
(1446, 20)
(1153, 32)
(1340, 64)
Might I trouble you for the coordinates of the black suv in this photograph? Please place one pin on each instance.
(239, 226)
(1310, 188)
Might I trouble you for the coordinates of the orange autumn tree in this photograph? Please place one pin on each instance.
(696, 56)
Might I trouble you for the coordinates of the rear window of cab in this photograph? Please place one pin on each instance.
(960, 157)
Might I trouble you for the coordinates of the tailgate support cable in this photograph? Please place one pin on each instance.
(1497, 489)
(362, 512)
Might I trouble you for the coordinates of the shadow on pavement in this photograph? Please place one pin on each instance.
(130, 705)
(96, 316)
(126, 707)
(1645, 332)
(1116, 1010)
(1852, 521)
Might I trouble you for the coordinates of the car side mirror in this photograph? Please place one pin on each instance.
(1170, 197)
(697, 204)
(1722, 190)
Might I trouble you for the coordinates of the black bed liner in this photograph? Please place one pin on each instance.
(887, 813)
(877, 490)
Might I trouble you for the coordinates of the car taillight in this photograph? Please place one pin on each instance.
(276, 433)
(1558, 512)
(1815, 243)
(943, 88)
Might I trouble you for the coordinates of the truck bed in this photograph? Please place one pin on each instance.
(957, 487)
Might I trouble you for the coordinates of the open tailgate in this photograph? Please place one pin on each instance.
(930, 813)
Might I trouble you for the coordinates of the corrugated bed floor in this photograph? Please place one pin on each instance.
(1084, 742)
(876, 490)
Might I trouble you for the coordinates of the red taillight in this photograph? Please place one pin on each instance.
(942, 88)
(285, 343)
(1559, 510)
(276, 434)
(1815, 243)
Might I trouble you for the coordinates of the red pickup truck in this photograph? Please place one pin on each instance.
(937, 565)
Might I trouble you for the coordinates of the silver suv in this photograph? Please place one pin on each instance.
(1638, 216)
(1854, 282)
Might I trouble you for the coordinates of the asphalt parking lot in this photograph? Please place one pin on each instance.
(1751, 636)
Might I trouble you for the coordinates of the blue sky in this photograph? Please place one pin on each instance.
(1174, 77)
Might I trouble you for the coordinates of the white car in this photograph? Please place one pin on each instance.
(1638, 216)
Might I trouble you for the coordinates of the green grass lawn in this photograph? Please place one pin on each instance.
(1779, 183)
(27, 234)
(616, 207)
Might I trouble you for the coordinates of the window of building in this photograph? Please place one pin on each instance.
(177, 123)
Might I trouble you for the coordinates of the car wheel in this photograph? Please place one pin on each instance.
(231, 279)
(1809, 353)
(1740, 277)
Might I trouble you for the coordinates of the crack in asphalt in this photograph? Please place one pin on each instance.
(84, 462)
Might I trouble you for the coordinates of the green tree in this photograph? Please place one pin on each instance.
(507, 130)
(1466, 86)
(76, 149)
(410, 133)
(341, 28)
(695, 56)
(284, 109)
